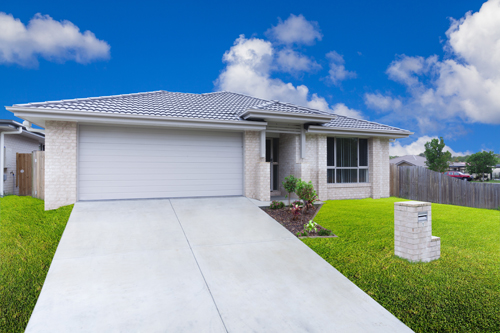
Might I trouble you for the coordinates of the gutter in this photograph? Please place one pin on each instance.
(357, 132)
(129, 119)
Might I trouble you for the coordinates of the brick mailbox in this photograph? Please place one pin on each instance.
(413, 238)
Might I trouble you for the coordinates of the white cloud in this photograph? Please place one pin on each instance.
(337, 70)
(383, 103)
(405, 69)
(417, 147)
(463, 87)
(295, 30)
(293, 62)
(49, 39)
(248, 71)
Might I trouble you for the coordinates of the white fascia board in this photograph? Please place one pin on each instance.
(270, 115)
(357, 132)
(39, 116)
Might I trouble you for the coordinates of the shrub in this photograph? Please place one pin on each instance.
(295, 211)
(306, 193)
(297, 203)
(311, 226)
(276, 204)
(290, 185)
(324, 232)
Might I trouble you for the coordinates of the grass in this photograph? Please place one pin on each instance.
(487, 181)
(460, 292)
(28, 240)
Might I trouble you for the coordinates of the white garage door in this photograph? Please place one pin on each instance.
(131, 163)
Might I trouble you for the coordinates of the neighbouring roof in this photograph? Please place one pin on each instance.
(222, 105)
(10, 125)
(410, 159)
(457, 164)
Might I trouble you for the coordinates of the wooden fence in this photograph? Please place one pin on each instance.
(38, 162)
(419, 183)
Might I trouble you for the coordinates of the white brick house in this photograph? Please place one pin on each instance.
(163, 145)
(23, 142)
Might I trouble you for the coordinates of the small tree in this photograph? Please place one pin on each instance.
(481, 163)
(290, 185)
(306, 193)
(437, 159)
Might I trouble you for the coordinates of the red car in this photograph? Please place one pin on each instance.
(459, 175)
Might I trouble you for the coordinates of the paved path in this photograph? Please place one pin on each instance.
(195, 265)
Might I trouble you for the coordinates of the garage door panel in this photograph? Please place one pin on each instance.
(109, 168)
(128, 163)
(176, 137)
(185, 158)
(144, 150)
(159, 183)
(144, 176)
(149, 195)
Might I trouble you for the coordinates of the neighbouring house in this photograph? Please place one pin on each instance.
(18, 141)
(409, 160)
(167, 145)
(457, 166)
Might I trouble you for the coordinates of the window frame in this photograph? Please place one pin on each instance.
(335, 167)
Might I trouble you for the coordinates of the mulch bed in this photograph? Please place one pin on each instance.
(285, 218)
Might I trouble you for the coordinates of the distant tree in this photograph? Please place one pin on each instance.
(481, 163)
(421, 154)
(437, 159)
(391, 157)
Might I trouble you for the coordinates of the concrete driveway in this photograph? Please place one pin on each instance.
(195, 265)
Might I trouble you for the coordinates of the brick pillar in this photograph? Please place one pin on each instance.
(60, 163)
(379, 167)
(257, 173)
(413, 238)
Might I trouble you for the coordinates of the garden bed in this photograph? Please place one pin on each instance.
(296, 226)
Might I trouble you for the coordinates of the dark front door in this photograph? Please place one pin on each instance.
(272, 152)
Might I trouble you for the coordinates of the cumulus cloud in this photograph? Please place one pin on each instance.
(248, 71)
(417, 147)
(293, 62)
(44, 37)
(337, 72)
(383, 103)
(465, 86)
(295, 30)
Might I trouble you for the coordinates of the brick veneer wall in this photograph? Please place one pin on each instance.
(257, 173)
(60, 163)
(379, 167)
(16, 143)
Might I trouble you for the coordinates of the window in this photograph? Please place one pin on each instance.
(347, 160)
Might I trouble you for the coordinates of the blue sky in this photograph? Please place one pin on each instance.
(425, 66)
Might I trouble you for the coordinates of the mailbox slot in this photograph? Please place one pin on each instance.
(422, 216)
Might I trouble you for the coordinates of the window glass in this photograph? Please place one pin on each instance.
(276, 145)
(268, 150)
(330, 151)
(363, 175)
(331, 176)
(363, 152)
(347, 152)
(347, 175)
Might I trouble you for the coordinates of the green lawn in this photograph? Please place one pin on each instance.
(487, 181)
(28, 240)
(460, 292)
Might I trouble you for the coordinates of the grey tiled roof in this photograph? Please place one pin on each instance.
(216, 106)
(348, 122)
